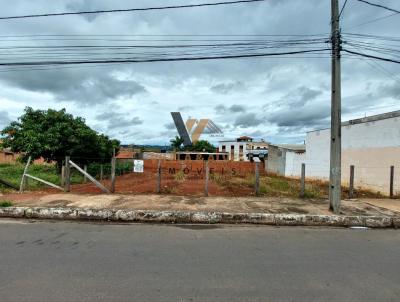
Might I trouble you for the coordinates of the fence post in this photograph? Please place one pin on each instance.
(67, 172)
(303, 181)
(84, 176)
(257, 178)
(207, 170)
(113, 161)
(159, 176)
(24, 179)
(391, 181)
(62, 175)
(351, 185)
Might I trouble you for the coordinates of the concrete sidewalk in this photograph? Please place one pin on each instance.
(269, 205)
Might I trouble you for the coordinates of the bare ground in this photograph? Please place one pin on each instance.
(369, 207)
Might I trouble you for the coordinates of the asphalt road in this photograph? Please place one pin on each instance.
(45, 261)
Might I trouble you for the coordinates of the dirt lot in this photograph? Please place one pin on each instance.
(197, 203)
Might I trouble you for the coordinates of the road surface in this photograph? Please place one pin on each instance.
(62, 261)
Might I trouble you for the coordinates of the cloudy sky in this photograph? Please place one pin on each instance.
(277, 99)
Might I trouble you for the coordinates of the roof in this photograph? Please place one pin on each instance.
(125, 154)
(292, 147)
(244, 137)
(367, 119)
(195, 152)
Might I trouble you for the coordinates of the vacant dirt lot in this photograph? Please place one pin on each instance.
(198, 203)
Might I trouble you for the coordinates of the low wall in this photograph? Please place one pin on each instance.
(198, 166)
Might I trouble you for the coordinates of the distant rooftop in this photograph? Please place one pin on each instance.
(367, 119)
(293, 147)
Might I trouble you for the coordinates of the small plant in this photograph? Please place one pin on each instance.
(179, 176)
(5, 204)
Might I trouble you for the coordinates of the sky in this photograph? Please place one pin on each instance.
(271, 98)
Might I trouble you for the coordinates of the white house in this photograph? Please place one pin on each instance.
(243, 148)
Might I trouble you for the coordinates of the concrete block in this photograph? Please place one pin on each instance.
(324, 220)
(290, 219)
(12, 212)
(396, 222)
(261, 218)
(350, 221)
(206, 217)
(378, 222)
(125, 215)
(94, 214)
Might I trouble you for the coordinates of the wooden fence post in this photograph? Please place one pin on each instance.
(391, 181)
(207, 176)
(303, 181)
(84, 176)
(159, 176)
(101, 172)
(257, 178)
(24, 179)
(67, 172)
(113, 162)
(351, 184)
(62, 175)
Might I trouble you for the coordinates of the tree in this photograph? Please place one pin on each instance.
(176, 143)
(53, 134)
(202, 146)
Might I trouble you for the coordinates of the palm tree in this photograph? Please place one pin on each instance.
(176, 143)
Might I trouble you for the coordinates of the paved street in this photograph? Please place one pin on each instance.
(62, 261)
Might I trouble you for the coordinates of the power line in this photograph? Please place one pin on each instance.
(108, 61)
(380, 6)
(129, 9)
(372, 56)
(373, 20)
(343, 7)
(161, 35)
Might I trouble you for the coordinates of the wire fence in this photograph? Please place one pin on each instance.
(198, 177)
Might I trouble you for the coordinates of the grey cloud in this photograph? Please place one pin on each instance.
(4, 119)
(247, 120)
(300, 96)
(185, 108)
(222, 109)
(169, 126)
(76, 85)
(225, 88)
(117, 120)
(237, 108)
(316, 114)
(390, 90)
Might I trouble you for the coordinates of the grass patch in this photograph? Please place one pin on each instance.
(48, 172)
(5, 204)
(179, 176)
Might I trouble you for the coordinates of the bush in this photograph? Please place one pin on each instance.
(5, 204)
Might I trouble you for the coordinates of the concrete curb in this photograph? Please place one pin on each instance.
(113, 215)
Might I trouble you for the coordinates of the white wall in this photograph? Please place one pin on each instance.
(293, 163)
(372, 147)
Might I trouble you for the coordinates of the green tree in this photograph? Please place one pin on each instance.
(202, 146)
(176, 143)
(53, 134)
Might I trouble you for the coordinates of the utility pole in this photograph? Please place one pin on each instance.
(336, 123)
